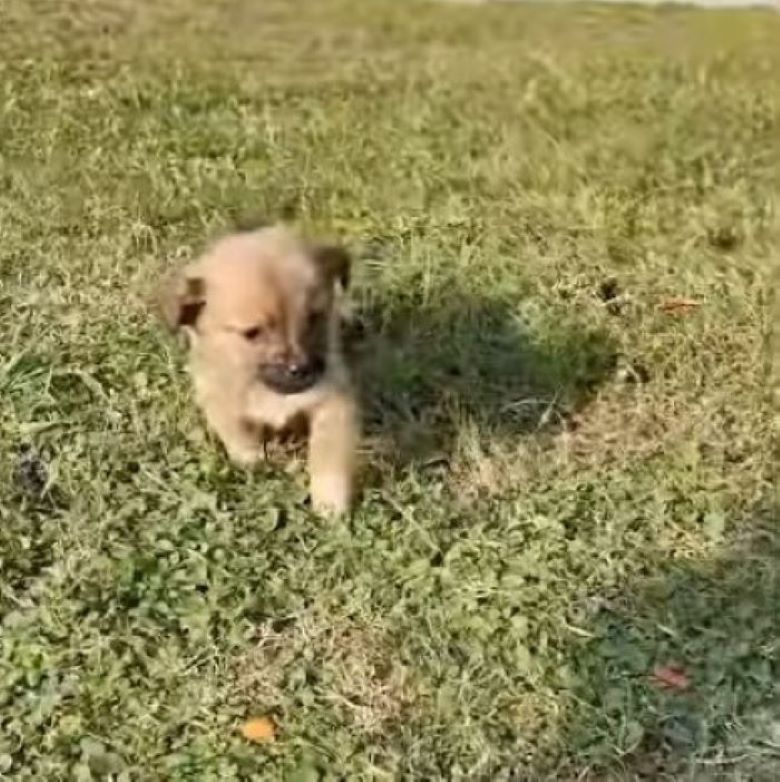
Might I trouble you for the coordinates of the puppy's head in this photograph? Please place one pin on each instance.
(261, 305)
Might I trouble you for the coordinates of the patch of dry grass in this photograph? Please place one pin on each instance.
(351, 669)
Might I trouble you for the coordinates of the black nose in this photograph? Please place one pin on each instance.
(313, 366)
(298, 369)
(292, 377)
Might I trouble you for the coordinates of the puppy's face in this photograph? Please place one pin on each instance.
(261, 305)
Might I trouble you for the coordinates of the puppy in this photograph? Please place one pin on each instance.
(260, 309)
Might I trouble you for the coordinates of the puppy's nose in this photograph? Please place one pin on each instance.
(298, 368)
(305, 366)
(292, 377)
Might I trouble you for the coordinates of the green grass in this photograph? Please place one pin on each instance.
(566, 486)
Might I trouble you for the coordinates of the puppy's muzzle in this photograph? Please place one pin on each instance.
(294, 377)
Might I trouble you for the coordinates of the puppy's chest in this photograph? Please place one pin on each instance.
(275, 410)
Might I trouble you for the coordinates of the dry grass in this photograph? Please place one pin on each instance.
(354, 670)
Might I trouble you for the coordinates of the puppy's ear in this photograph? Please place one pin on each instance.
(181, 299)
(335, 263)
(246, 223)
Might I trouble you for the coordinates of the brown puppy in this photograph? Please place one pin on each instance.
(261, 313)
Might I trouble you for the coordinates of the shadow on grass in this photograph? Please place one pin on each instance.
(718, 623)
(428, 373)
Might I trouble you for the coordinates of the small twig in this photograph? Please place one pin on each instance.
(679, 304)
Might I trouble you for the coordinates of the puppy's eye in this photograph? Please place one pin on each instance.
(252, 334)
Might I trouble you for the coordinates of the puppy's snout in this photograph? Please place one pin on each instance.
(298, 368)
(292, 377)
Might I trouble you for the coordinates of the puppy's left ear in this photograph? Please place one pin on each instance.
(180, 300)
(335, 262)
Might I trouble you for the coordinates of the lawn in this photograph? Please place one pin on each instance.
(569, 470)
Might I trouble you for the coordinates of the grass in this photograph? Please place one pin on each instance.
(566, 485)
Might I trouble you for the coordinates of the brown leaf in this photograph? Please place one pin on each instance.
(679, 304)
(671, 677)
(259, 729)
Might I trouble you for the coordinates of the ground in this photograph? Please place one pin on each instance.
(568, 479)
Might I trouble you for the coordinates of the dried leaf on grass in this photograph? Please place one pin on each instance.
(679, 305)
(259, 729)
(671, 677)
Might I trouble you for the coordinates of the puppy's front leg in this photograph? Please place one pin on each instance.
(333, 440)
(242, 439)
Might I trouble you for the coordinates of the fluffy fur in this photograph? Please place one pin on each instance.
(261, 312)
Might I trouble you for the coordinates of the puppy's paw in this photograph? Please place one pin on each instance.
(244, 455)
(331, 494)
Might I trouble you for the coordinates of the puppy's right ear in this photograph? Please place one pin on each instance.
(335, 263)
(181, 299)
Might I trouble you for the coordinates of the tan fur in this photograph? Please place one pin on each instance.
(267, 299)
